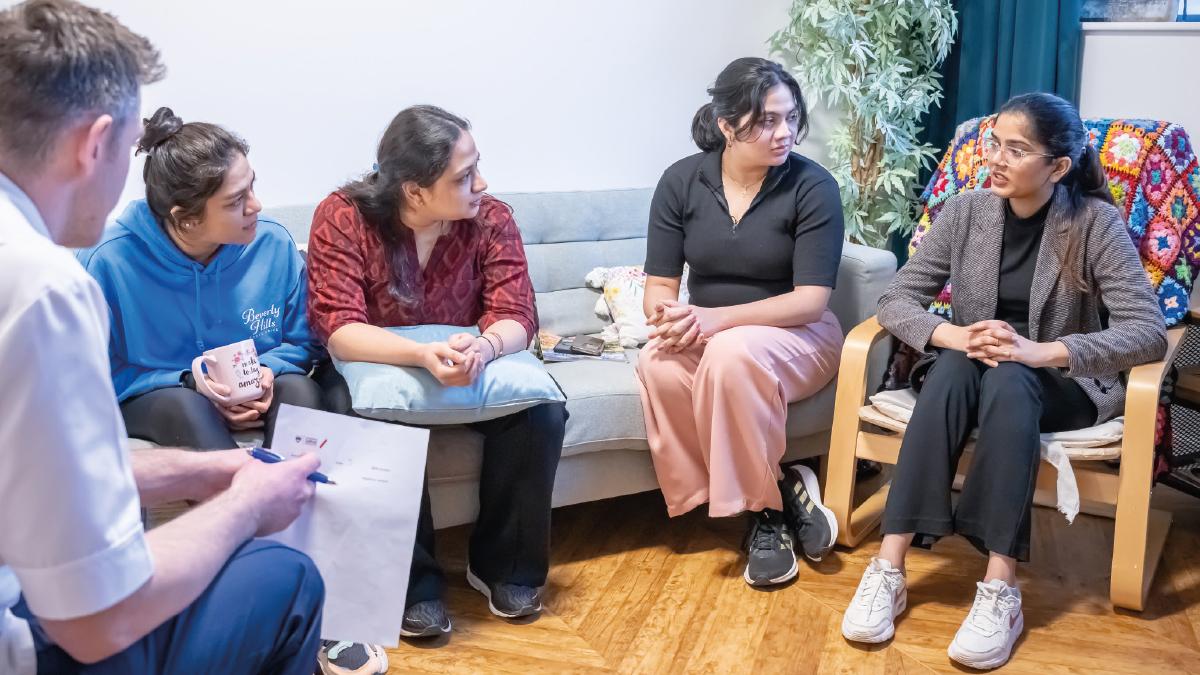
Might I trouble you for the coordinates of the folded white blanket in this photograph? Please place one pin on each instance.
(1058, 448)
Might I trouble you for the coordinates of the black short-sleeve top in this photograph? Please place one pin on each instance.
(790, 236)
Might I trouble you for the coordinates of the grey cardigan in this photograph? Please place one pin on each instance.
(963, 247)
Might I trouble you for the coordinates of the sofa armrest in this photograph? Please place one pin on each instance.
(864, 274)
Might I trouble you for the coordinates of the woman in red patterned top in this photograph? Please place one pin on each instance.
(417, 242)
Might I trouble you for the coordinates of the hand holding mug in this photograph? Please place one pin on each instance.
(235, 367)
(249, 415)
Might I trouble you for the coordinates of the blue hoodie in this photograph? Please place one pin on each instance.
(166, 308)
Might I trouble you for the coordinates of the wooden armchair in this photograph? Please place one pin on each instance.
(1123, 494)
(1149, 165)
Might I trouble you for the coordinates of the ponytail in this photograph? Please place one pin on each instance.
(705, 131)
(1085, 179)
(1089, 177)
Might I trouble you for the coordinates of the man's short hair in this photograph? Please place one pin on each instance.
(60, 60)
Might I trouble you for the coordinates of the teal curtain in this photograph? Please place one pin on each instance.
(1003, 48)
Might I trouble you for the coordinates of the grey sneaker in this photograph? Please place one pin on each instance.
(351, 658)
(772, 555)
(814, 524)
(425, 619)
(510, 601)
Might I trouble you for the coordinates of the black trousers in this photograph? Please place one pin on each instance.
(181, 417)
(1010, 404)
(510, 542)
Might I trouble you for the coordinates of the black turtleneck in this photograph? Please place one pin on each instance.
(1018, 261)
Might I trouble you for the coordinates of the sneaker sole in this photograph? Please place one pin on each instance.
(478, 585)
(813, 487)
(432, 631)
(787, 576)
(850, 633)
(975, 661)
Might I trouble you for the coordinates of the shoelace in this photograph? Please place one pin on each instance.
(874, 581)
(990, 608)
(766, 536)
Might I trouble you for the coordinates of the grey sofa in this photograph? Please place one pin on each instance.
(605, 453)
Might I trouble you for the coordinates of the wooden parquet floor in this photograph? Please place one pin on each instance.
(632, 591)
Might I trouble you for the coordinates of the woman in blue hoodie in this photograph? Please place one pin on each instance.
(193, 267)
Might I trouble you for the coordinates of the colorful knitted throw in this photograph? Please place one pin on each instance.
(1155, 180)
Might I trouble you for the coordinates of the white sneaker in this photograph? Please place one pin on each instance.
(881, 597)
(986, 637)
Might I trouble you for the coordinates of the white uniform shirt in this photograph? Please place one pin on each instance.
(71, 535)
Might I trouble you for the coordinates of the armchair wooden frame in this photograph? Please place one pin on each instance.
(1139, 531)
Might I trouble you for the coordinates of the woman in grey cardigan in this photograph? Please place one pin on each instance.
(1050, 306)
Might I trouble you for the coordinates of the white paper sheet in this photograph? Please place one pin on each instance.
(360, 532)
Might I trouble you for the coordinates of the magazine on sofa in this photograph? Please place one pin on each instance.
(555, 349)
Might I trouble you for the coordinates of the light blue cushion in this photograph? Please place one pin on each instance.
(413, 396)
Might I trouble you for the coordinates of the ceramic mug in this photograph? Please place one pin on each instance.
(235, 366)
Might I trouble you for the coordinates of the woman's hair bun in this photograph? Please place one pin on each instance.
(161, 126)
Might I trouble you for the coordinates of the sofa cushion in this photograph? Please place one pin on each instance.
(569, 312)
(411, 395)
(604, 403)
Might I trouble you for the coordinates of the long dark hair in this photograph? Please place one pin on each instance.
(416, 147)
(740, 89)
(1056, 126)
(185, 164)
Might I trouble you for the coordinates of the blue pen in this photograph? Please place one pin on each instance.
(264, 455)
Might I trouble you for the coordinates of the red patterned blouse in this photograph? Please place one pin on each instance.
(475, 275)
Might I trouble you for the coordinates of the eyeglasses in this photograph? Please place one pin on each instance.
(1009, 154)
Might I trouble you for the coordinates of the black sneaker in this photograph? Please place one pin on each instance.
(772, 558)
(814, 524)
(425, 619)
(510, 601)
(351, 658)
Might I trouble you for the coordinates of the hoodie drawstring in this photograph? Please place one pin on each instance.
(196, 312)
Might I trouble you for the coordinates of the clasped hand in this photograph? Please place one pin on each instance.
(681, 326)
(994, 342)
(459, 360)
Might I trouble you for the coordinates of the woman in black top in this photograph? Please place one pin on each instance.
(761, 229)
(1050, 305)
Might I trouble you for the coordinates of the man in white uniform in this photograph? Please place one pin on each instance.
(82, 587)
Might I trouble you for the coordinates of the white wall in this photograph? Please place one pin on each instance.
(1142, 70)
(563, 95)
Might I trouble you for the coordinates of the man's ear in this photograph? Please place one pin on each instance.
(94, 139)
